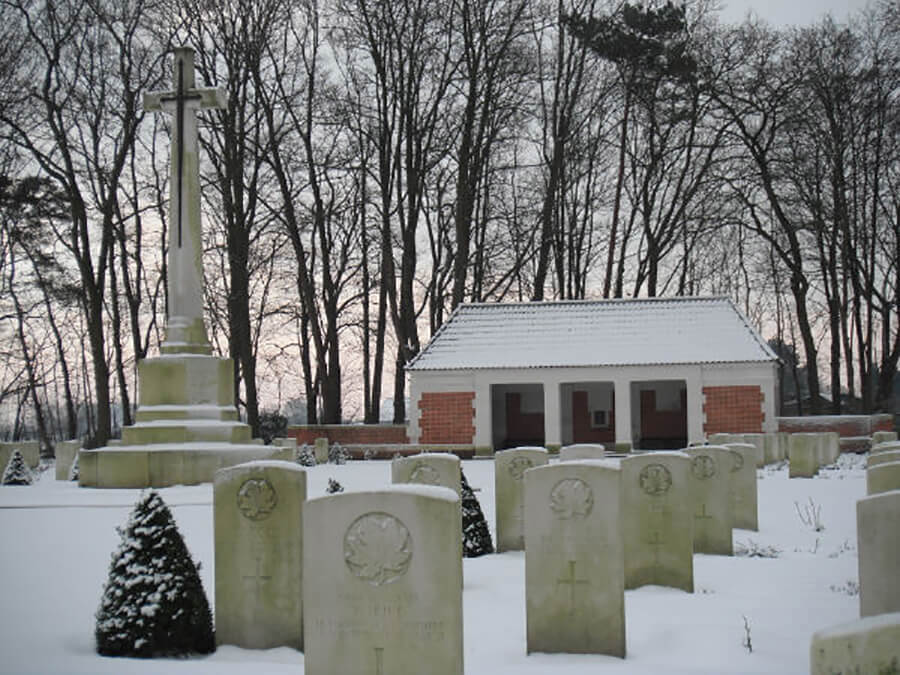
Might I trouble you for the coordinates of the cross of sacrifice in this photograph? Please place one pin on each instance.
(183, 101)
(572, 583)
(185, 331)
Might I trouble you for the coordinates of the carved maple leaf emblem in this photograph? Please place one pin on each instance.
(377, 548)
(571, 498)
(256, 498)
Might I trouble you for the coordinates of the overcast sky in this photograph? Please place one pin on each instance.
(789, 12)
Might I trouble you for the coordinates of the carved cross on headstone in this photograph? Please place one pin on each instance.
(379, 660)
(572, 582)
(258, 578)
(185, 331)
(703, 515)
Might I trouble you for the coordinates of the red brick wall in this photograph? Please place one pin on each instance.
(447, 417)
(733, 409)
(350, 434)
(847, 426)
(582, 431)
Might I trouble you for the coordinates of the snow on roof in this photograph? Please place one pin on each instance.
(562, 334)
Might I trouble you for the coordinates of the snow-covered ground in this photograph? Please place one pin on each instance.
(57, 540)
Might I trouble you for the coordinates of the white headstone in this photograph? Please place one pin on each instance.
(878, 546)
(658, 525)
(885, 457)
(758, 441)
(428, 468)
(883, 478)
(65, 452)
(870, 645)
(569, 453)
(711, 489)
(803, 455)
(886, 446)
(574, 559)
(831, 442)
(509, 494)
(258, 511)
(320, 449)
(387, 592)
(883, 437)
(770, 448)
(744, 502)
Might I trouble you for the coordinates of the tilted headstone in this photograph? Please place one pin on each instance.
(803, 455)
(758, 441)
(258, 511)
(870, 645)
(568, 453)
(883, 437)
(658, 520)
(883, 457)
(509, 494)
(711, 490)
(321, 450)
(744, 501)
(428, 468)
(385, 590)
(878, 546)
(574, 559)
(65, 452)
(883, 478)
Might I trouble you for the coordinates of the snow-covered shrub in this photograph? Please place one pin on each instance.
(16, 472)
(73, 470)
(753, 549)
(306, 456)
(334, 487)
(811, 515)
(368, 454)
(337, 454)
(153, 603)
(475, 533)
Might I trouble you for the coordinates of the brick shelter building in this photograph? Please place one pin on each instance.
(656, 373)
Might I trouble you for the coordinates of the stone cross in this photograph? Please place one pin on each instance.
(185, 330)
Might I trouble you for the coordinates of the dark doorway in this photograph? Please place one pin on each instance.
(660, 411)
(588, 412)
(517, 415)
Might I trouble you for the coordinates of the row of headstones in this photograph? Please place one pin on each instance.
(883, 466)
(872, 643)
(808, 452)
(385, 566)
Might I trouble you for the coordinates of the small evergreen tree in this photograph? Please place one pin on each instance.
(272, 424)
(17, 472)
(337, 454)
(334, 487)
(153, 603)
(73, 470)
(476, 536)
(306, 456)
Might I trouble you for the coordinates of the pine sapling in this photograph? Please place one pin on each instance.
(476, 536)
(334, 487)
(17, 472)
(306, 456)
(153, 603)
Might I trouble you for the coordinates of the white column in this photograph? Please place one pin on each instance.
(483, 414)
(623, 410)
(694, 385)
(552, 423)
